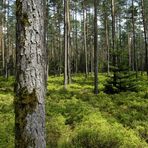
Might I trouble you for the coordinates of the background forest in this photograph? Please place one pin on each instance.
(97, 90)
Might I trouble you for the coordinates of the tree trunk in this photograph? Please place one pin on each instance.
(68, 43)
(1, 47)
(134, 40)
(84, 39)
(67, 68)
(31, 75)
(65, 45)
(145, 36)
(7, 55)
(129, 52)
(2, 39)
(76, 36)
(95, 48)
(107, 43)
(113, 41)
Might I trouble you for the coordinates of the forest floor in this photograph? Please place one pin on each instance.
(76, 118)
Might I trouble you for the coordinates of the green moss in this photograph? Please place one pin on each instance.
(6, 120)
(25, 103)
(95, 131)
(76, 116)
(25, 20)
(27, 98)
(23, 16)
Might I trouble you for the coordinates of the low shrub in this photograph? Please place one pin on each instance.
(96, 132)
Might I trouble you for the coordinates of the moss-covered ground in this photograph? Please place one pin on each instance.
(76, 118)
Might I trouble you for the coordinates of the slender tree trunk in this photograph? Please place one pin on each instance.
(95, 48)
(46, 16)
(60, 55)
(68, 43)
(107, 44)
(65, 45)
(113, 40)
(84, 38)
(7, 57)
(14, 59)
(1, 62)
(129, 52)
(92, 59)
(134, 41)
(5, 42)
(76, 35)
(31, 75)
(3, 36)
(59, 43)
(91, 48)
(120, 57)
(145, 36)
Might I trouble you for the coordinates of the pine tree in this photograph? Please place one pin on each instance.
(31, 74)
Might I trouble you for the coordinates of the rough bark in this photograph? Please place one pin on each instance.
(31, 75)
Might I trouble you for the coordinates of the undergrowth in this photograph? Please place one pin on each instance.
(76, 118)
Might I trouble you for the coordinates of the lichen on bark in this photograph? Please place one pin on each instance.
(27, 102)
(25, 19)
(26, 97)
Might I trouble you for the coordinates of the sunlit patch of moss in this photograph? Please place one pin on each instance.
(6, 121)
(95, 131)
(56, 129)
(76, 116)
(121, 109)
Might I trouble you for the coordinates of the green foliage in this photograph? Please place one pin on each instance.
(56, 129)
(122, 80)
(6, 121)
(97, 120)
(77, 118)
(6, 113)
(6, 85)
(96, 132)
